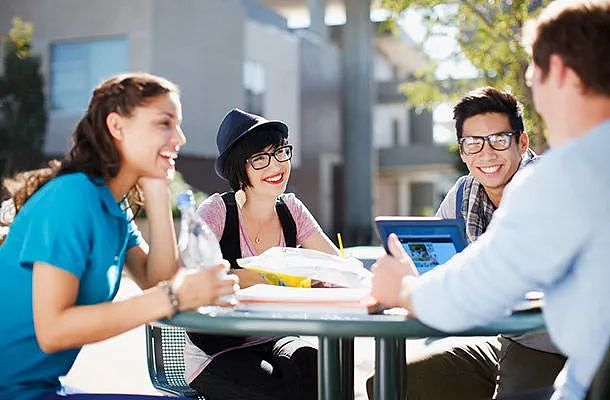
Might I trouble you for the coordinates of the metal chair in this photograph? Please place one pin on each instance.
(165, 357)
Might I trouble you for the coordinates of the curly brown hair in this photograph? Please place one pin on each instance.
(93, 152)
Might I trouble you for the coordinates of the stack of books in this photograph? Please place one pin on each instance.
(270, 298)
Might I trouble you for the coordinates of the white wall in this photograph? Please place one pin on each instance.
(200, 45)
(79, 19)
(278, 52)
(393, 191)
(383, 129)
(385, 201)
(382, 68)
(197, 44)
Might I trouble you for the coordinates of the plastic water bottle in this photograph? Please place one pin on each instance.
(197, 244)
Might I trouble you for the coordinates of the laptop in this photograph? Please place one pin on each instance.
(429, 241)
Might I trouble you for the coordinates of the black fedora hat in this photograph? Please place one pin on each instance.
(235, 125)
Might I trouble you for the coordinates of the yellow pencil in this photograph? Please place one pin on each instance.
(340, 245)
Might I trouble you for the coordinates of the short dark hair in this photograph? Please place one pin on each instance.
(578, 31)
(247, 146)
(488, 100)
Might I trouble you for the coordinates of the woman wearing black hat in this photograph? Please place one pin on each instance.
(255, 160)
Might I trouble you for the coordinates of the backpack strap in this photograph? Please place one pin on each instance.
(289, 227)
(459, 202)
(229, 243)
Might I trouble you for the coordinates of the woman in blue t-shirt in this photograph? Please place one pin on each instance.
(73, 230)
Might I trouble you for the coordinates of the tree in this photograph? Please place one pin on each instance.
(488, 33)
(23, 117)
(179, 185)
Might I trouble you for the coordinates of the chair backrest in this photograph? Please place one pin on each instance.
(165, 356)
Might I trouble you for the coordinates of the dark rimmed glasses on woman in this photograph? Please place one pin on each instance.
(262, 160)
(500, 141)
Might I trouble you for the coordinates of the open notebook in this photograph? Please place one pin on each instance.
(270, 298)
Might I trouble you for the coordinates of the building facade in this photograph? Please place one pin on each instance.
(241, 53)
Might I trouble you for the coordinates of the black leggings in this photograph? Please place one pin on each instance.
(283, 369)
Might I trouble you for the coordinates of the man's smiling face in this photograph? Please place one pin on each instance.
(493, 168)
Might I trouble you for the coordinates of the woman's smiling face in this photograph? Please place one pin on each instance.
(271, 180)
(152, 137)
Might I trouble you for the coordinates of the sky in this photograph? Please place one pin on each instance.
(411, 21)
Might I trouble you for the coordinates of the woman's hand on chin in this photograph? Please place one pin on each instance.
(154, 188)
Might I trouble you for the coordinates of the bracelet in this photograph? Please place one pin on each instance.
(171, 295)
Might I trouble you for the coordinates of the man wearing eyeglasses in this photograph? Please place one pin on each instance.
(494, 146)
(551, 230)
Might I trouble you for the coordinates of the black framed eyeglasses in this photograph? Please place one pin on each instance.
(262, 160)
(500, 141)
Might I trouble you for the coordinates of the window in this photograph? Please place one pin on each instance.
(77, 67)
(255, 86)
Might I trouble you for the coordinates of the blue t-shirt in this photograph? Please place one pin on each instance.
(73, 223)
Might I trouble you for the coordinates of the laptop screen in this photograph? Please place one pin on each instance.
(428, 241)
(428, 252)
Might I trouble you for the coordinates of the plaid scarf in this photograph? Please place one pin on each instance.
(477, 208)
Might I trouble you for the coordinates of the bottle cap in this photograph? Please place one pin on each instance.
(185, 199)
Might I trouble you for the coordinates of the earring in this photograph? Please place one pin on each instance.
(240, 198)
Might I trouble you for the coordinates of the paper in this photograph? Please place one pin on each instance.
(287, 266)
(269, 298)
(273, 293)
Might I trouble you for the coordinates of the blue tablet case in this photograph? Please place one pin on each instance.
(429, 241)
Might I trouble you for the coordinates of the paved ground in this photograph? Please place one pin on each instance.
(118, 365)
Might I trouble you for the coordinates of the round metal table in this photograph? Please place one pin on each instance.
(336, 335)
